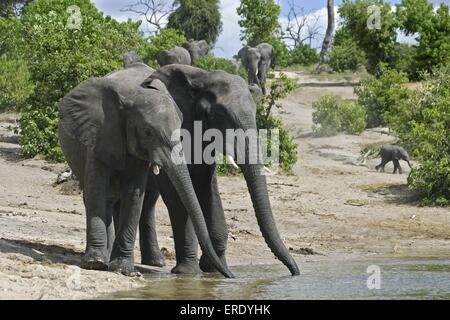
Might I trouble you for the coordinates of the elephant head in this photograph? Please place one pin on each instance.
(223, 101)
(116, 121)
(177, 55)
(251, 58)
(399, 153)
(131, 58)
(197, 49)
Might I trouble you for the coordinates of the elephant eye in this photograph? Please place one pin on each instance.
(147, 132)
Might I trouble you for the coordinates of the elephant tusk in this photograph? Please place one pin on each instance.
(156, 170)
(231, 161)
(267, 170)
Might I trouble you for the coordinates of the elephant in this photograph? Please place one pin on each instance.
(114, 134)
(131, 58)
(197, 49)
(257, 62)
(177, 55)
(220, 101)
(394, 153)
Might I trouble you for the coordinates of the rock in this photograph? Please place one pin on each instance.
(64, 176)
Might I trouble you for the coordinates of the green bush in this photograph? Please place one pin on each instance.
(15, 85)
(59, 58)
(303, 55)
(211, 63)
(346, 56)
(165, 39)
(333, 116)
(380, 95)
(422, 122)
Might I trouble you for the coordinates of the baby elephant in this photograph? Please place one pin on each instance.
(393, 153)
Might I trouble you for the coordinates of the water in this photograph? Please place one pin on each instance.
(400, 279)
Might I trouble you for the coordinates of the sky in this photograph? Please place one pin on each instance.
(229, 41)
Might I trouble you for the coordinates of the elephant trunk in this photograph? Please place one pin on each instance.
(257, 186)
(179, 176)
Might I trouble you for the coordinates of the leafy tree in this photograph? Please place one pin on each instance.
(61, 57)
(15, 85)
(413, 15)
(259, 21)
(422, 122)
(380, 95)
(197, 19)
(346, 56)
(377, 43)
(434, 41)
(12, 7)
(165, 39)
(212, 63)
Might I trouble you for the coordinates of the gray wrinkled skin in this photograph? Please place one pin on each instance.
(257, 62)
(177, 55)
(220, 101)
(111, 131)
(394, 153)
(131, 58)
(197, 49)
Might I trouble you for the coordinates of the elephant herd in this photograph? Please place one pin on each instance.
(256, 60)
(117, 134)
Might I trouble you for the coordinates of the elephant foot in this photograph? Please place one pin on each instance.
(187, 267)
(207, 266)
(95, 259)
(124, 266)
(154, 259)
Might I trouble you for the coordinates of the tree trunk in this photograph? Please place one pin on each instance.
(327, 41)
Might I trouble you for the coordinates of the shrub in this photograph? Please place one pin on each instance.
(346, 56)
(333, 116)
(60, 58)
(15, 85)
(164, 40)
(380, 95)
(303, 55)
(423, 124)
(211, 63)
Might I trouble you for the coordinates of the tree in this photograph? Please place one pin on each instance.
(60, 58)
(301, 26)
(327, 41)
(259, 21)
(377, 41)
(413, 15)
(197, 19)
(12, 7)
(155, 12)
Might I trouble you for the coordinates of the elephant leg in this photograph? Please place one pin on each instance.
(95, 195)
(396, 165)
(211, 203)
(186, 243)
(150, 253)
(132, 190)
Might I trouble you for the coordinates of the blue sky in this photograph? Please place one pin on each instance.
(229, 42)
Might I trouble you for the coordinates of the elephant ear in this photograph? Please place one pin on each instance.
(397, 154)
(90, 113)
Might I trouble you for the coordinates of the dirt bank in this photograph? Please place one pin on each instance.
(332, 208)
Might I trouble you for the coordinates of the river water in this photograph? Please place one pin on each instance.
(388, 279)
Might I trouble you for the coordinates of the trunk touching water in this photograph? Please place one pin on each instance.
(179, 176)
(256, 183)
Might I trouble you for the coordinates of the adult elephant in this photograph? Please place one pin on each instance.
(197, 49)
(221, 101)
(177, 55)
(257, 62)
(111, 132)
